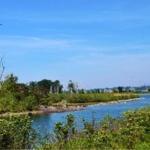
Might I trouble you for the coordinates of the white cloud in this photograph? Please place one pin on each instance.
(113, 57)
(32, 42)
(20, 45)
(79, 51)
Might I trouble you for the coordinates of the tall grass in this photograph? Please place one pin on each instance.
(89, 97)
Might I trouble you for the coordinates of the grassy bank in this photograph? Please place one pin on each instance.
(8, 103)
(89, 98)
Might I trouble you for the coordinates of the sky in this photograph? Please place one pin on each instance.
(96, 43)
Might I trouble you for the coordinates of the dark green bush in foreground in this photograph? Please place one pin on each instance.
(16, 133)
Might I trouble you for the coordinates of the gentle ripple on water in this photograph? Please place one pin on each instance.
(48, 120)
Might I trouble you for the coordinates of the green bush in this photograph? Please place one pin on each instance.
(7, 104)
(132, 131)
(16, 133)
(30, 103)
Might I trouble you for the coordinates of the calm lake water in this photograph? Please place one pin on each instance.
(48, 120)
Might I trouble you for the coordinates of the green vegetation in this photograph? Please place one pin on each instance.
(132, 131)
(19, 97)
(16, 133)
(86, 99)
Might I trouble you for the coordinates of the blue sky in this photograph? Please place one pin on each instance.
(97, 43)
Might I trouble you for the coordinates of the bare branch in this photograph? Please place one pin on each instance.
(2, 69)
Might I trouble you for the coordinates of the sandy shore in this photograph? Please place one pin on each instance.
(52, 109)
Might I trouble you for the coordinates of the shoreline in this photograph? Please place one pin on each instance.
(44, 110)
(115, 102)
(53, 109)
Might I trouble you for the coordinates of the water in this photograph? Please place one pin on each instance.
(48, 120)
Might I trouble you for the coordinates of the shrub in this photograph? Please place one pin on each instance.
(16, 133)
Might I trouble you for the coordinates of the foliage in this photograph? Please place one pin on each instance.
(120, 89)
(47, 85)
(65, 131)
(16, 133)
(72, 87)
(132, 131)
(9, 83)
(17, 97)
(90, 97)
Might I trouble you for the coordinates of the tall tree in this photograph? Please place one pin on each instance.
(32, 85)
(57, 87)
(45, 84)
(120, 89)
(73, 87)
(21, 91)
(10, 82)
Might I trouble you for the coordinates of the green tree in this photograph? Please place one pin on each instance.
(49, 86)
(57, 87)
(32, 85)
(120, 89)
(65, 132)
(18, 90)
(45, 84)
(72, 87)
(9, 83)
(21, 91)
(39, 93)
